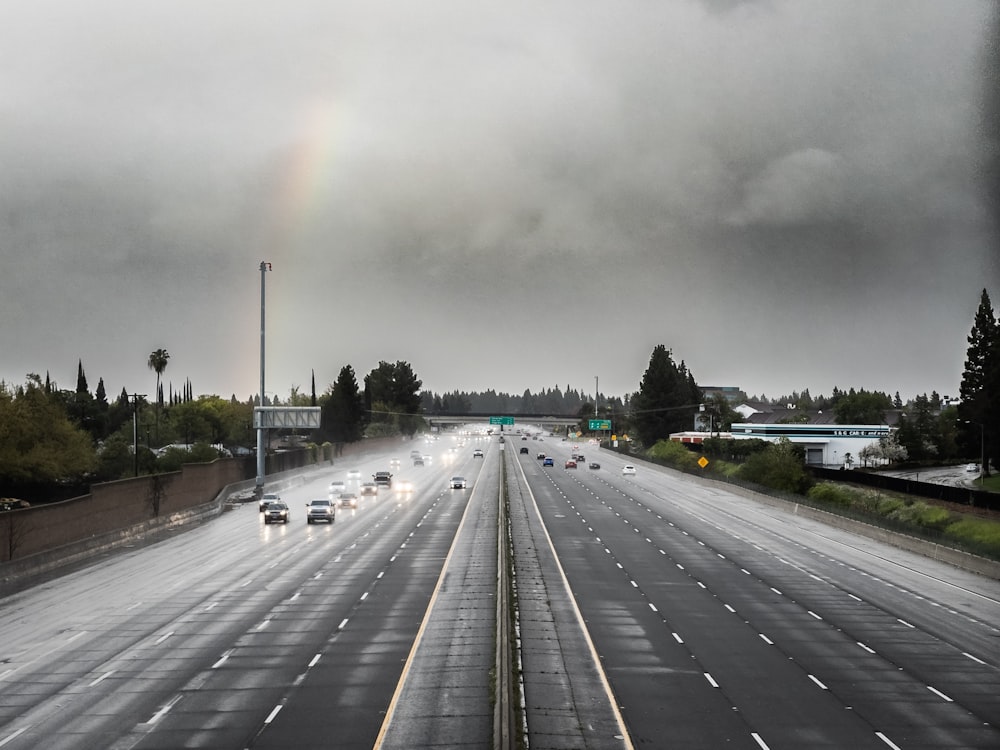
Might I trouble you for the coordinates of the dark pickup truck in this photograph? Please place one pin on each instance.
(382, 478)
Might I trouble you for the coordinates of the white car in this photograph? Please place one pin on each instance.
(457, 483)
(972, 467)
(354, 474)
(337, 486)
(320, 510)
(628, 469)
(267, 499)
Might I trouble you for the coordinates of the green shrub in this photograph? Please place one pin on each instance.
(923, 515)
(885, 506)
(725, 468)
(780, 468)
(979, 532)
(833, 494)
(674, 454)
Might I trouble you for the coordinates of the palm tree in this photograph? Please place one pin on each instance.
(158, 362)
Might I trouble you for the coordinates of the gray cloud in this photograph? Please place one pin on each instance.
(788, 194)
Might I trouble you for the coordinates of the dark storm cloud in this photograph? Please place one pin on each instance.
(787, 194)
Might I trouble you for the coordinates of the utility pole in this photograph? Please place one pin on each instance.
(134, 397)
(261, 430)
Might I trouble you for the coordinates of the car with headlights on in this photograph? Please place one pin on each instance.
(277, 512)
(266, 499)
(458, 483)
(369, 488)
(477, 453)
(354, 474)
(320, 511)
(347, 500)
(337, 486)
(404, 485)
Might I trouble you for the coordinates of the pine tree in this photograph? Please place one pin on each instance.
(667, 399)
(342, 419)
(81, 379)
(979, 410)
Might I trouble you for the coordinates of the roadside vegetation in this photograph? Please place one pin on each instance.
(779, 469)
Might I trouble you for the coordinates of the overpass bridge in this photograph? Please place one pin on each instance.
(545, 421)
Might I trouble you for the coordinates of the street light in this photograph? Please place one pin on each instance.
(982, 452)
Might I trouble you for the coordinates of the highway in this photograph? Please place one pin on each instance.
(654, 610)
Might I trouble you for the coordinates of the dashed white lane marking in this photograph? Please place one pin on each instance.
(818, 682)
(100, 679)
(14, 735)
(887, 741)
(939, 694)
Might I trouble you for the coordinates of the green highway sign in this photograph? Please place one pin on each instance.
(600, 424)
(501, 420)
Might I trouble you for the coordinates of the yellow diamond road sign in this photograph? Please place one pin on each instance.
(703, 462)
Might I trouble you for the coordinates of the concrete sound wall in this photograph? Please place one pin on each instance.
(146, 501)
(45, 537)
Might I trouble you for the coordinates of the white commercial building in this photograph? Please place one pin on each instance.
(825, 444)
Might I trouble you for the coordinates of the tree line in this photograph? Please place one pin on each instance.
(62, 439)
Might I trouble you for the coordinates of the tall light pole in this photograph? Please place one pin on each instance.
(595, 396)
(135, 431)
(982, 452)
(261, 451)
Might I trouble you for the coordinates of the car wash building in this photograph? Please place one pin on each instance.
(824, 444)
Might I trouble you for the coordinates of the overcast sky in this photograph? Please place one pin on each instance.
(788, 194)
